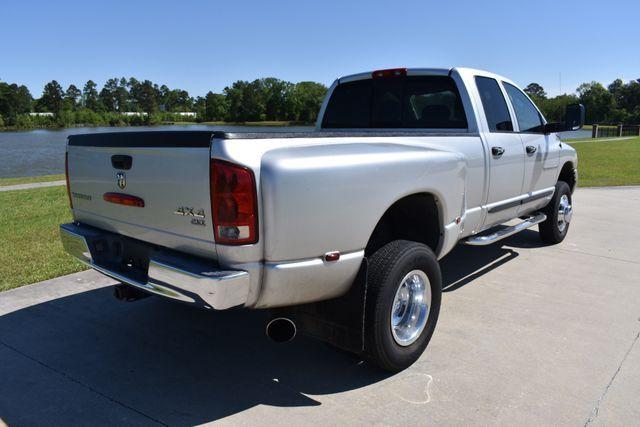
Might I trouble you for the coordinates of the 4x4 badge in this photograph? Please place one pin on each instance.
(189, 211)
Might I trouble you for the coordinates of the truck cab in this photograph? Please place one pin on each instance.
(519, 157)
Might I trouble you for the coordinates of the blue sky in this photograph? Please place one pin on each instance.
(206, 45)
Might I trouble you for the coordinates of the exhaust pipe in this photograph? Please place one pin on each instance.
(128, 293)
(281, 329)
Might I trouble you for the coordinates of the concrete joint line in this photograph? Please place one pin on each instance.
(594, 412)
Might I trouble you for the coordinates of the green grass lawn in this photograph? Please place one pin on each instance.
(603, 163)
(31, 250)
(29, 179)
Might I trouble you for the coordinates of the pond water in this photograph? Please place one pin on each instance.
(41, 152)
(574, 134)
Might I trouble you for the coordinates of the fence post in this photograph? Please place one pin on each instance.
(619, 130)
(594, 131)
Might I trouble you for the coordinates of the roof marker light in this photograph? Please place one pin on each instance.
(390, 73)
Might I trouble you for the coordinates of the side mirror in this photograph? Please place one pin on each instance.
(574, 117)
(573, 120)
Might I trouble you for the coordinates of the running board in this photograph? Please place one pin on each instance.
(488, 239)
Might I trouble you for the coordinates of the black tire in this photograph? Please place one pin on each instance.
(550, 230)
(387, 267)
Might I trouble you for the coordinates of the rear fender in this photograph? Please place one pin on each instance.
(318, 199)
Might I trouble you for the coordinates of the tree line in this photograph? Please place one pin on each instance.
(266, 99)
(618, 103)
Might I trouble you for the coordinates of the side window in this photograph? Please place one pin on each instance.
(349, 106)
(494, 104)
(529, 119)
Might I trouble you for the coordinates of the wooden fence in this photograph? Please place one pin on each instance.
(599, 131)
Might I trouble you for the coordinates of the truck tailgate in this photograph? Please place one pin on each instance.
(169, 171)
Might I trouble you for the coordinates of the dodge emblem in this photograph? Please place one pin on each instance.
(121, 179)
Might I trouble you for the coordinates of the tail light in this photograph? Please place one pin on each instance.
(66, 173)
(234, 205)
(392, 72)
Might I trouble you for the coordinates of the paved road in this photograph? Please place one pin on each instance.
(528, 335)
(33, 185)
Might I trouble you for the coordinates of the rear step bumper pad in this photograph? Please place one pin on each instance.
(186, 279)
(503, 233)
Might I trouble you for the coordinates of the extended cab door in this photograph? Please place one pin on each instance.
(506, 153)
(542, 152)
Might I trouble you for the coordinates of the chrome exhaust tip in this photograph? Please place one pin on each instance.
(281, 329)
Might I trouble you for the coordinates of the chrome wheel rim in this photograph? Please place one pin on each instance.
(410, 309)
(565, 212)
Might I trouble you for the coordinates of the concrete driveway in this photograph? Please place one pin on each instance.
(528, 335)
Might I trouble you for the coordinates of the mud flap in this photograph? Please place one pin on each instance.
(339, 321)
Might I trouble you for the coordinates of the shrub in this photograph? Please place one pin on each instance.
(65, 119)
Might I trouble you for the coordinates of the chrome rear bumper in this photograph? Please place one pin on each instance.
(188, 279)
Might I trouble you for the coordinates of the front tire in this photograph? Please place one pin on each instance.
(404, 290)
(559, 212)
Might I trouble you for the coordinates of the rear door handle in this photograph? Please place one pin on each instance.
(531, 149)
(497, 151)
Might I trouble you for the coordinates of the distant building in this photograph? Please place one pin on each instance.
(142, 114)
(41, 114)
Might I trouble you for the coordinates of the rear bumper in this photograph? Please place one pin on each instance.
(184, 278)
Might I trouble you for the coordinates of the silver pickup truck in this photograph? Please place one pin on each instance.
(337, 231)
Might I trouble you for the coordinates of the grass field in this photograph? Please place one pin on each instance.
(603, 163)
(31, 250)
(29, 179)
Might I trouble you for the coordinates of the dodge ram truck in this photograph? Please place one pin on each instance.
(338, 231)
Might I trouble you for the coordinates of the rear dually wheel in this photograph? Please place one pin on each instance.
(403, 303)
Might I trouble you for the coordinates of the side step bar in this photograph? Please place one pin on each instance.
(488, 239)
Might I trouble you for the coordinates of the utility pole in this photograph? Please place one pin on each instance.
(560, 74)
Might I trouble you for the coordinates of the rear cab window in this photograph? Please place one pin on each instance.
(412, 102)
(349, 106)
